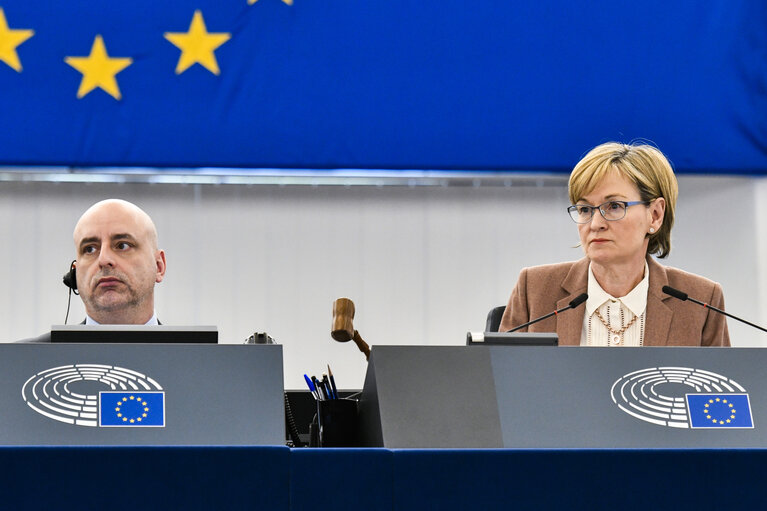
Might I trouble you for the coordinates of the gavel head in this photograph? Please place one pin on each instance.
(343, 314)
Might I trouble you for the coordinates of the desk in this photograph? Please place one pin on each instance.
(502, 479)
(144, 478)
(578, 479)
(278, 478)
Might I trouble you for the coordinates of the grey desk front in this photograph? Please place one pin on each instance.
(560, 397)
(141, 394)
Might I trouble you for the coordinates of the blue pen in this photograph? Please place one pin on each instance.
(311, 386)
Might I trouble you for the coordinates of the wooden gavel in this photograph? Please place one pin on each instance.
(343, 327)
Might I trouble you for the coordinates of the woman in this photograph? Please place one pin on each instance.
(623, 199)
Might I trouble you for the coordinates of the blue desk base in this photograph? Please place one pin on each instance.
(278, 478)
(144, 478)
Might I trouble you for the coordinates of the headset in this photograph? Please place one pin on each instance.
(70, 280)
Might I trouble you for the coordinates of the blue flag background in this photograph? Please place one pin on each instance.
(132, 409)
(385, 84)
(719, 411)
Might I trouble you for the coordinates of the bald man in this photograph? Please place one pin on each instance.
(117, 264)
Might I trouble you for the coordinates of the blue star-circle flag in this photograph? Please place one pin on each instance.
(132, 409)
(719, 411)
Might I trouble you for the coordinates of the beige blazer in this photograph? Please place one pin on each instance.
(669, 321)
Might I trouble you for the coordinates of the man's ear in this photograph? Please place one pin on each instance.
(159, 259)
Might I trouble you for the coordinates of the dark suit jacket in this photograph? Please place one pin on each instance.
(669, 321)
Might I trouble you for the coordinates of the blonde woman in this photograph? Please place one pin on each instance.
(622, 202)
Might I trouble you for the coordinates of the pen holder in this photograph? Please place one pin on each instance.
(337, 423)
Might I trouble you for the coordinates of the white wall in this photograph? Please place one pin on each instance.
(422, 264)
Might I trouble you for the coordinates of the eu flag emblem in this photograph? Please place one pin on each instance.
(132, 409)
(719, 411)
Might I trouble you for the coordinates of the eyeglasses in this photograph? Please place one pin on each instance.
(610, 210)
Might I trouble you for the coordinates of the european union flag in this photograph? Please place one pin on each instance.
(719, 411)
(377, 84)
(132, 409)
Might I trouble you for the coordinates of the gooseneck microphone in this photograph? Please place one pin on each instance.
(573, 304)
(684, 297)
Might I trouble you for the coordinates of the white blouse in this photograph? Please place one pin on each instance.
(624, 315)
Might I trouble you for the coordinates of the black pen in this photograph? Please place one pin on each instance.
(318, 386)
(333, 382)
(326, 386)
(324, 389)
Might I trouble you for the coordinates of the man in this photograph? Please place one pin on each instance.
(117, 265)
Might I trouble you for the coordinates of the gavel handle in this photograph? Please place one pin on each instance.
(362, 345)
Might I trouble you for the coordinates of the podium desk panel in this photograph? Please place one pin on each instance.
(146, 478)
(564, 397)
(341, 478)
(551, 479)
(141, 394)
(429, 397)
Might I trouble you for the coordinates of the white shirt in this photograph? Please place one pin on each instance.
(634, 304)
(152, 321)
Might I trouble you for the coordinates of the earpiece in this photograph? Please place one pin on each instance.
(70, 277)
(70, 280)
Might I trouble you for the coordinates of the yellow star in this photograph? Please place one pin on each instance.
(9, 40)
(99, 70)
(286, 2)
(197, 45)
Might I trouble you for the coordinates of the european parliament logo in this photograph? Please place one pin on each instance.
(75, 394)
(719, 411)
(682, 397)
(132, 409)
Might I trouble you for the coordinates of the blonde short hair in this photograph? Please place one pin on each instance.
(642, 164)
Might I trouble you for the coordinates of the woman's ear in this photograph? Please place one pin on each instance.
(657, 213)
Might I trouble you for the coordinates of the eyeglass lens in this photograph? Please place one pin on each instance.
(611, 210)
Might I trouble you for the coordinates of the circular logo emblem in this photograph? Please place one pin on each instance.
(682, 397)
(70, 393)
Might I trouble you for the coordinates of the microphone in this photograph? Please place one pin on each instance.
(343, 329)
(573, 304)
(684, 297)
